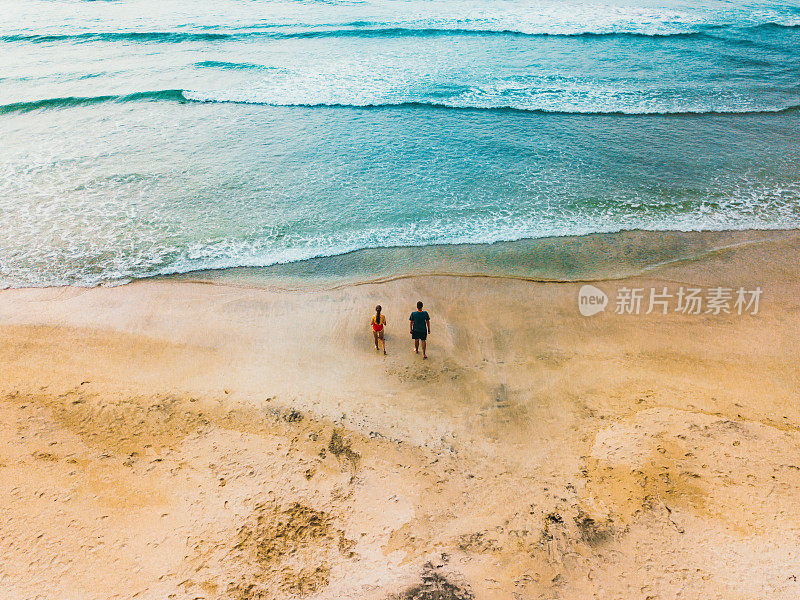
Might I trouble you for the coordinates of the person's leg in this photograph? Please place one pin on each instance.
(375, 336)
(424, 346)
(416, 345)
(383, 342)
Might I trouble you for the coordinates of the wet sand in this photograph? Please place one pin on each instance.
(186, 439)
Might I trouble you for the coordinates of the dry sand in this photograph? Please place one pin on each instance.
(171, 439)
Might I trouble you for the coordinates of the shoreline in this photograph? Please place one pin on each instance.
(170, 437)
(509, 256)
(526, 259)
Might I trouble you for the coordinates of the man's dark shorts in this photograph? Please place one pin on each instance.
(419, 335)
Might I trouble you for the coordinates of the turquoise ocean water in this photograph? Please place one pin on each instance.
(150, 137)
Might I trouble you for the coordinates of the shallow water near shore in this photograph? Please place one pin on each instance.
(594, 257)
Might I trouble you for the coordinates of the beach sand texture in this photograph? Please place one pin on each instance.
(178, 439)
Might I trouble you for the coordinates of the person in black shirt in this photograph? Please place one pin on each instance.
(420, 324)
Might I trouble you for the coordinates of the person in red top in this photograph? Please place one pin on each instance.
(378, 324)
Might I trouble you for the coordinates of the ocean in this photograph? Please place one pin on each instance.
(142, 138)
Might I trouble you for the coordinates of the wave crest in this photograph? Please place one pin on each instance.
(235, 98)
(479, 100)
(389, 30)
(72, 101)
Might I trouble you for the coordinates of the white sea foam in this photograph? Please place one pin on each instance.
(96, 255)
(551, 17)
(333, 91)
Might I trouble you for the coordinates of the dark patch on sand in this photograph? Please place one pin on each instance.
(592, 532)
(434, 586)
(287, 550)
(339, 446)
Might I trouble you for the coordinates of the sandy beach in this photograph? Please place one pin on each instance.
(187, 439)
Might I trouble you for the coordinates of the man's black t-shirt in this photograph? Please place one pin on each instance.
(418, 318)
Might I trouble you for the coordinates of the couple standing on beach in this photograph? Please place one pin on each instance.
(419, 322)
